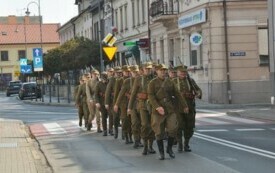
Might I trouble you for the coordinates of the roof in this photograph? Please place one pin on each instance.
(15, 33)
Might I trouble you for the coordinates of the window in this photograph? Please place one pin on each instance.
(116, 18)
(126, 19)
(138, 18)
(4, 55)
(263, 46)
(133, 13)
(143, 11)
(121, 19)
(96, 31)
(193, 58)
(162, 51)
(21, 54)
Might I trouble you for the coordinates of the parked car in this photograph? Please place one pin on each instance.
(30, 90)
(13, 88)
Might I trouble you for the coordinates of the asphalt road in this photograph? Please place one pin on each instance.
(220, 144)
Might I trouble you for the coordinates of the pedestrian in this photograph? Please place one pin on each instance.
(189, 90)
(161, 93)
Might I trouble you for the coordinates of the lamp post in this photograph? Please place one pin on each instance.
(40, 28)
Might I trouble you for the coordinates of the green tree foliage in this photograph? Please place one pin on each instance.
(73, 55)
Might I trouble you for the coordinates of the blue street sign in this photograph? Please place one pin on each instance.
(26, 69)
(23, 61)
(37, 59)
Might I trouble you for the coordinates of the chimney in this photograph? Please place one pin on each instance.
(12, 19)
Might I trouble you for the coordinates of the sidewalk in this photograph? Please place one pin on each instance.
(18, 152)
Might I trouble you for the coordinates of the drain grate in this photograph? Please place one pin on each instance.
(8, 145)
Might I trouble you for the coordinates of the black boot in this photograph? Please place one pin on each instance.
(105, 133)
(116, 133)
(169, 147)
(140, 144)
(80, 123)
(186, 146)
(136, 144)
(161, 149)
(145, 148)
(89, 126)
(126, 138)
(151, 149)
(111, 132)
(99, 130)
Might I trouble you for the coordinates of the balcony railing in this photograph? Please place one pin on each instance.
(164, 7)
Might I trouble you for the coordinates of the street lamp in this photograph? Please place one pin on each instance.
(40, 27)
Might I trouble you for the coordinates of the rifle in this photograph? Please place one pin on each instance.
(193, 88)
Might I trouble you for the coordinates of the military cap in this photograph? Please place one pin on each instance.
(125, 68)
(110, 69)
(134, 68)
(161, 67)
(172, 69)
(95, 71)
(117, 69)
(147, 65)
(154, 64)
(181, 68)
(104, 75)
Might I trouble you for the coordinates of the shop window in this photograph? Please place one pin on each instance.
(4, 55)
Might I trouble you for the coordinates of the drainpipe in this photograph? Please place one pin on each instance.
(229, 94)
(149, 31)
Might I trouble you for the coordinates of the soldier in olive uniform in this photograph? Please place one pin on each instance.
(161, 91)
(80, 108)
(189, 89)
(172, 72)
(109, 98)
(139, 94)
(90, 89)
(81, 99)
(99, 100)
(122, 89)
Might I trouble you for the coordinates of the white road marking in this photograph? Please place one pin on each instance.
(54, 128)
(246, 148)
(246, 130)
(212, 121)
(272, 128)
(213, 130)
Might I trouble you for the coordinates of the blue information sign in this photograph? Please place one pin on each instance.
(26, 69)
(37, 59)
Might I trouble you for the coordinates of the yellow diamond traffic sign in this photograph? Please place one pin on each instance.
(110, 52)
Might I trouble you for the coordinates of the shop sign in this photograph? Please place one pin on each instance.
(196, 39)
(192, 19)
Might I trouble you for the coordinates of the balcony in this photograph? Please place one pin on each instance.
(162, 10)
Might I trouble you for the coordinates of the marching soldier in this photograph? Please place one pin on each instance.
(80, 108)
(161, 91)
(99, 100)
(189, 90)
(90, 89)
(109, 98)
(172, 72)
(139, 94)
(122, 88)
(81, 100)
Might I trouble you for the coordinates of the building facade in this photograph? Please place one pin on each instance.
(224, 43)
(18, 37)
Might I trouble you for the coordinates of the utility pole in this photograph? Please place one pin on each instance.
(271, 34)
(100, 44)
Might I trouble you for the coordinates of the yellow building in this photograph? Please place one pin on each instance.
(18, 37)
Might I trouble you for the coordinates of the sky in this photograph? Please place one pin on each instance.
(52, 11)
